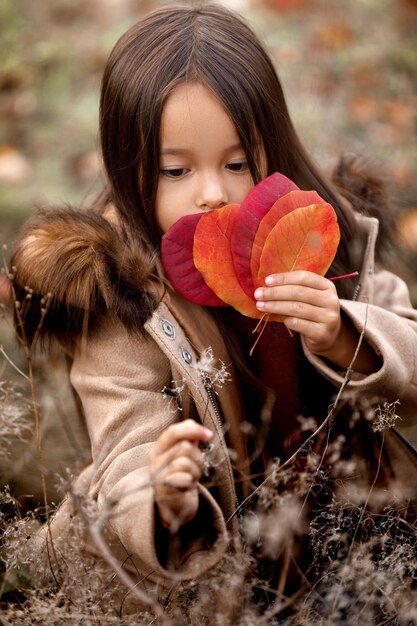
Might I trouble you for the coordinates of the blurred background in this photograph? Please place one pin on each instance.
(349, 71)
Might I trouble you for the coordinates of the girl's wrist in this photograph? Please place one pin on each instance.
(344, 347)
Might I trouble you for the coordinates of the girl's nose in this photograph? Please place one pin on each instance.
(212, 193)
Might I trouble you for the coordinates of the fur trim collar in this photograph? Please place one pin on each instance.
(70, 265)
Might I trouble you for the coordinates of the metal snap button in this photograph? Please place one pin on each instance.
(186, 356)
(168, 329)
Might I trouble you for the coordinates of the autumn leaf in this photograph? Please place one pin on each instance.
(305, 239)
(178, 262)
(213, 258)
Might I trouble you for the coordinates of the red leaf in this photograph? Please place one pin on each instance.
(256, 204)
(178, 262)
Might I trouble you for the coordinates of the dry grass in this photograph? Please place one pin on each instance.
(362, 559)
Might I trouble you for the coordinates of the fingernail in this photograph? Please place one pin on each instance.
(269, 280)
(208, 433)
(258, 293)
(260, 305)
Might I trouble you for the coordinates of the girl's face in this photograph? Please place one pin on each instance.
(202, 163)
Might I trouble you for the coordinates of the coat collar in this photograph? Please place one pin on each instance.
(364, 289)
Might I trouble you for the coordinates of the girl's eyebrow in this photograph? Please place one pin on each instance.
(174, 151)
(180, 151)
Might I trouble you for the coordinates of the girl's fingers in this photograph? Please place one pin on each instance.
(176, 495)
(319, 338)
(314, 331)
(175, 467)
(183, 449)
(318, 306)
(184, 456)
(178, 481)
(182, 465)
(298, 293)
(187, 431)
(298, 277)
(300, 310)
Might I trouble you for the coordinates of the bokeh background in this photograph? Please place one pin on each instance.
(349, 71)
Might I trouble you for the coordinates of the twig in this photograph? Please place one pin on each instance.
(259, 328)
(278, 607)
(3, 352)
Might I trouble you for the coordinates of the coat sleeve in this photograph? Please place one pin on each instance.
(119, 378)
(389, 323)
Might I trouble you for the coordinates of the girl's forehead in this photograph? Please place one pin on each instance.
(186, 99)
(194, 116)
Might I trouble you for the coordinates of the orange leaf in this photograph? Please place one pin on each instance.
(213, 258)
(305, 239)
(283, 206)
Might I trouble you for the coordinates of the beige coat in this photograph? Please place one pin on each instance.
(122, 378)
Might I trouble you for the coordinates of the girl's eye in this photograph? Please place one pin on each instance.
(175, 172)
(240, 166)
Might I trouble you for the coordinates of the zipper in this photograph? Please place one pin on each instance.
(356, 292)
(213, 402)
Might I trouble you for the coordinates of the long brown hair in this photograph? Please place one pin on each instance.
(215, 47)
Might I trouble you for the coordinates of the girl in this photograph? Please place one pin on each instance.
(192, 116)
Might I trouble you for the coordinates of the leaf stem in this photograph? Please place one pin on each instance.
(343, 276)
(259, 328)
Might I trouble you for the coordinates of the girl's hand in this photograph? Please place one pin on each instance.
(175, 469)
(308, 304)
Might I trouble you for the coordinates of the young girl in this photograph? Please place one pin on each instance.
(192, 116)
